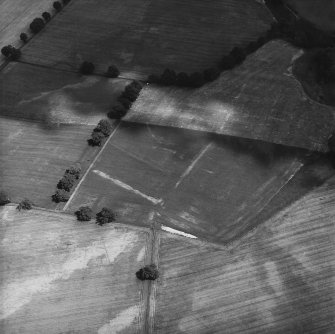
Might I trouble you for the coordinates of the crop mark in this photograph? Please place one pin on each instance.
(194, 162)
(89, 168)
(128, 187)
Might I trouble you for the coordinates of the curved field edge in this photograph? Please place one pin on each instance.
(258, 100)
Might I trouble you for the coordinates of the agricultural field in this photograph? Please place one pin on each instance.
(214, 187)
(322, 16)
(34, 157)
(260, 99)
(15, 17)
(145, 37)
(62, 276)
(280, 280)
(56, 97)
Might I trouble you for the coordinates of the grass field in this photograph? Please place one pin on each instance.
(33, 158)
(281, 280)
(321, 15)
(259, 100)
(62, 276)
(15, 17)
(49, 96)
(145, 37)
(214, 187)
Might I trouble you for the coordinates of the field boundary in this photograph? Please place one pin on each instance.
(90, 167)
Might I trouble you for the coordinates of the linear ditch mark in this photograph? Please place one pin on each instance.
(6, 62)
(90, 167)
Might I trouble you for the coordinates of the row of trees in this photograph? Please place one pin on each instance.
(100, 133)
(65, 184)
(25, 204)
(105, 216)
(88, 68)
(197, 79)
(10, 52)
(125, 100)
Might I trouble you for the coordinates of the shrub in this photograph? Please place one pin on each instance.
(26, 204)
(168, 77)
(37, 25)
(4, 198)
(96, 139)
(60, 196)
(87, 68)
(84, 213)
(118, 111)
(105, 216)
(66, 182)
(57, 5)
(113, 72)
(23, 37)
(196, 79)
(105, 127)
(46, 16)
(74, 171)
(149, 272)
(125, 102)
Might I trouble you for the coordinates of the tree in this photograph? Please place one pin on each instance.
(65, 2)
(26, 204)
(130, 93)
(4, 198)
(37, 25)
(197, 79)
(87, 67)
(183, 79)
(227, 62)
(23, 37)
(149, 272)
(153, 78)
(6, 50)
(105, 216)
(11, 52)
(113, 72)
(46, 16)
(211, 74)
(74, 171)
(105, 127)
(238, 54)
(135, 84)
(84, 213)
(168, 77)
(57, 5)
(118, 111)
(60, 196)
(96, 139)
(125, 102)
(66, 182)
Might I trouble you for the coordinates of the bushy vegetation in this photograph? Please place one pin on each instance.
(46, 16)
(84, 213)
(60, 196)
(105, 216)
(112, 72)
(37, 25)
(87, 68)
(100, 132)
(26, 204)
(4, 198)
(149, 272)
(57, 5)
(66, 182)
(125, 100)
(10, 52)
(73, 171)
(24, 37)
